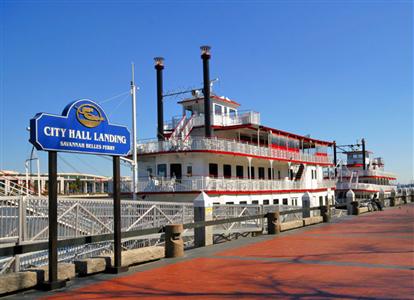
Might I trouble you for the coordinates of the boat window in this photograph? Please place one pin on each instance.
(149, 171)
(320, 200)
(255, 202)
(285, 201)
(175, 171)
(269, 173)
(227, 171)
(265, 202)
(189, 112)
(275, 201)
(213, 170)
(278, 175)
(243, 202)
(217, 109)
(189, 171)
(251, 172)
(239, 172)
(229, 202)
(261, 172)
(162, 170)
(232, 112)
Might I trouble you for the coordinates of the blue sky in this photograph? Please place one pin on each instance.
(338, 70)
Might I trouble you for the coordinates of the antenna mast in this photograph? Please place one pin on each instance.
(134, 136)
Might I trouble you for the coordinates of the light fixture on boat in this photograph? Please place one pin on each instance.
(205, 50)
(159, 61)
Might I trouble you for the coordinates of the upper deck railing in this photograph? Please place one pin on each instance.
(205, 183)
(370, 172)
(364, 186)
(242, 117)
(231, 146)
(239, 118)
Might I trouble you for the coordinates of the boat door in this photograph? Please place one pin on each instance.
(175, 170)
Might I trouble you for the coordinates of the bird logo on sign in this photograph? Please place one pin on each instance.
(89, 115)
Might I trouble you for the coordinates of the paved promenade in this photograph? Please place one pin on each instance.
(365, 257)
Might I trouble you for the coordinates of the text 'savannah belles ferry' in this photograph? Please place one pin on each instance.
(364, 175)
(225, 152)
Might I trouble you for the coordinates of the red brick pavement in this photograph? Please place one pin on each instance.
(367, 257)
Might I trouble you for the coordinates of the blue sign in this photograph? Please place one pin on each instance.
(83, 127)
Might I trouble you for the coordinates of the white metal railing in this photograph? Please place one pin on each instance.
(227, 211)
(205, 183)
(370, 172)
(25, 220)
(173, 123)
(216, 144)
(10, 188)
(241, 117)
(247, 117)
(363, 186)
(177, 131)
(77, 217)
(187, 127)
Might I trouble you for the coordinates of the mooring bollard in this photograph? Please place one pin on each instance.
(174, 244)
(326, 213)
(392, 198)
(350, 199)
(203, 211)
(273, 222)
(404, 196)
(382, 198)
(355, 205)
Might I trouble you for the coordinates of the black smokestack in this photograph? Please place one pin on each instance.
(363, 154)
(334, 153)
(205, 55)
(159, 66)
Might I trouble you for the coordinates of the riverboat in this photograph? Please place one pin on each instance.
(364, 174)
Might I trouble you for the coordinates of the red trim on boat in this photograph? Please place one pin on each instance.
(212, 97)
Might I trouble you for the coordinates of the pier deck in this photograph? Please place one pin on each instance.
(366, 257)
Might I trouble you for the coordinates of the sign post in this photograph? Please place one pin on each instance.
(117, 263)
(53, 282)
(83, 127)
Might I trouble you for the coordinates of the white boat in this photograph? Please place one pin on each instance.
(364, 175)
(242, 162)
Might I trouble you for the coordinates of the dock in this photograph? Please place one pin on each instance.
(369, 256)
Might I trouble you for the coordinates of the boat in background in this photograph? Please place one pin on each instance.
(364, 174)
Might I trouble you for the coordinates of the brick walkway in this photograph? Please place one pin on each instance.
(365, 257)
